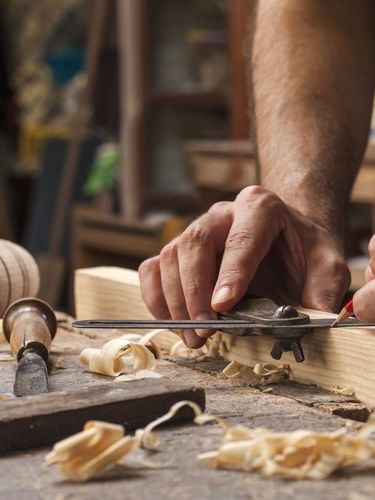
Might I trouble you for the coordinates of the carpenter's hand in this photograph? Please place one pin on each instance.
(364, 299)
(256, 240)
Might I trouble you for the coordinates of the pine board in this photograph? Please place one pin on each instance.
(334, 358)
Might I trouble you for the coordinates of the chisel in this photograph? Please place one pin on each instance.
(29, 325)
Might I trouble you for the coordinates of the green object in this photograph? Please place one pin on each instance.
(102, 175)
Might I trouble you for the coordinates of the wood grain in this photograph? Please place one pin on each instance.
(334, 358)
(19, 274)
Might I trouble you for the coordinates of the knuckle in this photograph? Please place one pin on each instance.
(238, 240)
(192, 291)
(220, 207)
(250, 192)
(148, 266)
(196, 234)
(260, 198)
(170, 251)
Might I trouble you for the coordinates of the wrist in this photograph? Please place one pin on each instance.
(320, 211)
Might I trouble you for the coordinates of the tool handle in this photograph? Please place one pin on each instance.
(30, 323)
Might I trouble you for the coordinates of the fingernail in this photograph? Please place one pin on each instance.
(223, 294)
(205, 316)
(192, 340)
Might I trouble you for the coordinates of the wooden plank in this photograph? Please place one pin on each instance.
(336, 357)
(53, 416)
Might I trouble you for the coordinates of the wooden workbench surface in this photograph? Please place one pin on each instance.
(23, 476)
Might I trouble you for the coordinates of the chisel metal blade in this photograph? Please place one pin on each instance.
(31, 375)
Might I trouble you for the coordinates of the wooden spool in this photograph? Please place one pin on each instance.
(19, 274)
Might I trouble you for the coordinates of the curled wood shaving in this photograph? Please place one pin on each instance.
(109, 360)
(84, 454)
(299, 454)
(259, 375)
(149, 439)
(145, 340)
(102, 444)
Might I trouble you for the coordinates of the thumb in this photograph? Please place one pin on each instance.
(326, 285)
(364, 302)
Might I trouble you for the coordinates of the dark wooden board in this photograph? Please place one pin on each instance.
(36, 421)
(78, 395)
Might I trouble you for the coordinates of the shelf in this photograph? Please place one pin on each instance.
(194, 99)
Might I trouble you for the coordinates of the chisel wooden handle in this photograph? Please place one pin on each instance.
(29, 323)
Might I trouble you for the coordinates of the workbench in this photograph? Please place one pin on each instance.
(289, 406)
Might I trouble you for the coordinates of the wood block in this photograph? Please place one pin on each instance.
(99, 290)
(113, 292)
(54, 416)
(339, 357)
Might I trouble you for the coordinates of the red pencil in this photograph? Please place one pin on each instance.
(345, 313)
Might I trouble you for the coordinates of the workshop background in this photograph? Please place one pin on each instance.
(121, 121)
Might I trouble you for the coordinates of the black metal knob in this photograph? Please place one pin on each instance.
(286, 312)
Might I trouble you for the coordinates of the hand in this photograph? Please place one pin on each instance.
(364, 298)
(256, 240)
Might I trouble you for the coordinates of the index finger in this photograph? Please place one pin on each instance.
(199, 248)
(258, 221)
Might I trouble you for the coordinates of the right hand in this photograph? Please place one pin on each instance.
(255, 243)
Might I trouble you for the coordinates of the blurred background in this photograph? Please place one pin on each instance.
(120, 122)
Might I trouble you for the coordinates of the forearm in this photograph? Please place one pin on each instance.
(312, 81)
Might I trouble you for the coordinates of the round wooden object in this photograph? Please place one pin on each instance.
(19, 274)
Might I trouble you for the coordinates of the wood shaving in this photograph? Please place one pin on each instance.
(7, 357)
(109, 360)
(6, 395)
(216, 346)
(300, 454)
(345, 391)
(101, 444)
(181, 351)
(259, 375)
(142, 374)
